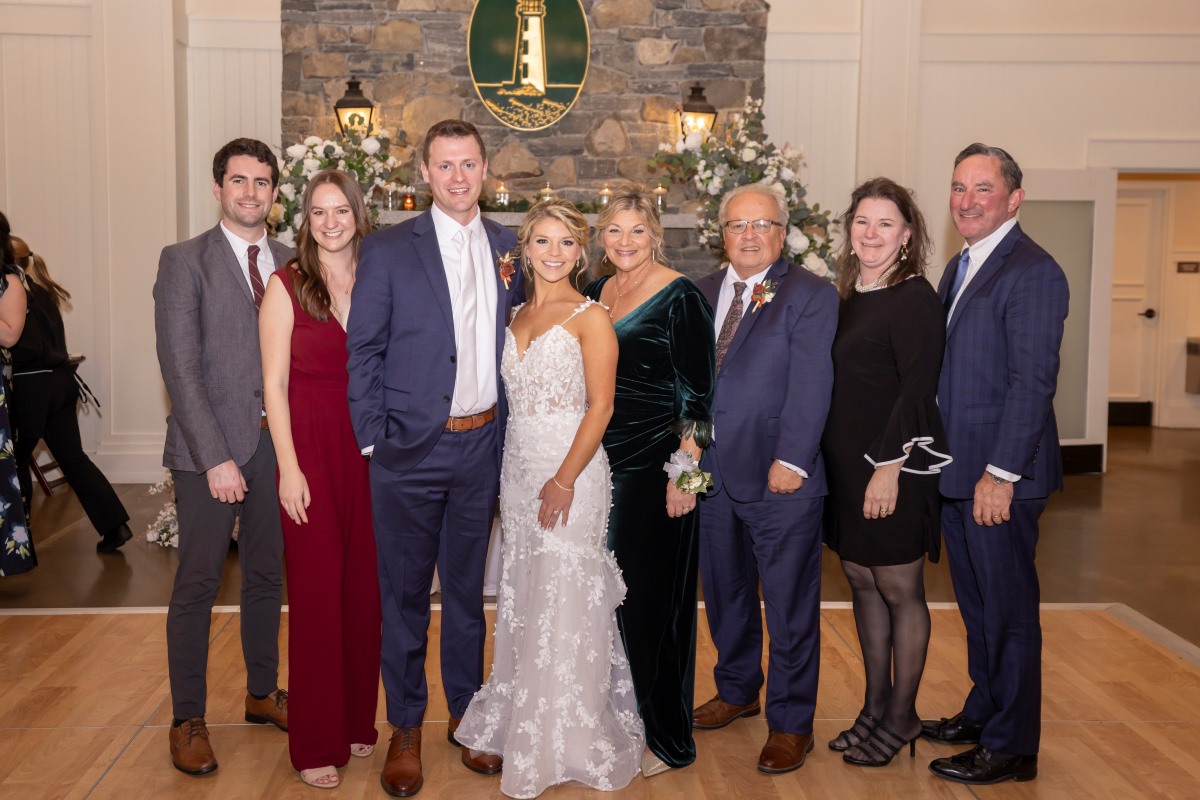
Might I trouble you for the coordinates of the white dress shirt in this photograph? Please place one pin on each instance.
(241, 248)
(978, 254)
(450, 236)
(724, 301)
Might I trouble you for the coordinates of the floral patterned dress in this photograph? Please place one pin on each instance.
(16, 548)
(559, 705)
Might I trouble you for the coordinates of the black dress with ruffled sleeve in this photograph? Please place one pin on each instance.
(886, 359)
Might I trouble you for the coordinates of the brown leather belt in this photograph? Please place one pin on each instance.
(263, 425)
(460, 424)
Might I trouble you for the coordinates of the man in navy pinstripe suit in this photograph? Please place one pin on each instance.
(1006, 300)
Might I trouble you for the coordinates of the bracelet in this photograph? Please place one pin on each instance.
(559, 485)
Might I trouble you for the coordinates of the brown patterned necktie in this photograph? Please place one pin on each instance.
(256, 283)
(730, 325)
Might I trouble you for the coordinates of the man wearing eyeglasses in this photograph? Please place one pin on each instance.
(762, 520)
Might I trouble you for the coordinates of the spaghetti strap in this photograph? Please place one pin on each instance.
(582, 307)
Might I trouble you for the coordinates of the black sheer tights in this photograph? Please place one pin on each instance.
(893, 631)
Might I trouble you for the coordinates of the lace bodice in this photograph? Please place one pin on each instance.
(548, 378)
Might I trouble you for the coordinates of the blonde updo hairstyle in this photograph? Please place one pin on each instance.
(575, 223)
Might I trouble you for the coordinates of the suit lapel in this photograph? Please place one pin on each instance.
(750, 317)
(218, 242)
(990, 268)
(430, 254)
(710, 287)
(503, 301)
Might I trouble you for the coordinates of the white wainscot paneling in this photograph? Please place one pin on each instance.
(46, 117)
(231, 93)
(812, 102)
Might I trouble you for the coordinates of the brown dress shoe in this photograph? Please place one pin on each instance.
(272, 709)
(716, 713)
(474, 760)
(190, 750)
(784, 752)
(401, 776)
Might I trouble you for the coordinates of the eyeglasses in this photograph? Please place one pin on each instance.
(738, 226)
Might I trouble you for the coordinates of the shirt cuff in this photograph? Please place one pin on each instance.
(999, 473)
(793, 468)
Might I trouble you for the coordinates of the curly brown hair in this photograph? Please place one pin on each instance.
(308, 283)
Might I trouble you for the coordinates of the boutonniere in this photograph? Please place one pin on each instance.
(507, 268)
(763, 293)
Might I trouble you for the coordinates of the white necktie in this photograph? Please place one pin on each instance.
(466, 387)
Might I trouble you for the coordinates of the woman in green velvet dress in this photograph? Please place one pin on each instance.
(665, 378)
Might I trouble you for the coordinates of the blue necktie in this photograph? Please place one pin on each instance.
(960, 275)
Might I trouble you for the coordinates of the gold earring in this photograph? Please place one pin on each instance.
(904, 251)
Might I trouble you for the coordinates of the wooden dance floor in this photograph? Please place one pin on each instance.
(84, 709)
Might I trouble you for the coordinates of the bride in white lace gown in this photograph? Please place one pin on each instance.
(559, 704)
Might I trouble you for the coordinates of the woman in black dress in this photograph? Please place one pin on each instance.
(663, 403)
(884, 446)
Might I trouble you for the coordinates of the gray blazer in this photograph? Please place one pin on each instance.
(206, 328)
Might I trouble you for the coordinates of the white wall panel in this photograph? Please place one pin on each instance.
(812, 102)
(231, 93)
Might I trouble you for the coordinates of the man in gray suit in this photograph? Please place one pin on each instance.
(218, 444)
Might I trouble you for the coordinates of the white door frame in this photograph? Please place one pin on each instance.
(1099, 187)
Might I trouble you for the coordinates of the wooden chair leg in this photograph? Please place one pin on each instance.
(40, 478)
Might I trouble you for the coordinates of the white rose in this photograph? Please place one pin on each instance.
(371, 145)
(286, 236)
(338, 152)
(383, 133)
(714, 189)
(816, 265)
(311, 167)
(749, 154)
(694, 140)
(787, 174)
(797, 242)
(288, 190)
(296, 152)
(312, 141)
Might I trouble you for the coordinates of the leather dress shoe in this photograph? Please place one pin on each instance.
(114, 539)
(982, 765)
(474, 760)
(190, 750)
(716, 713)
(784, 752)
(272, 709)
(401, 776)
(954, 730)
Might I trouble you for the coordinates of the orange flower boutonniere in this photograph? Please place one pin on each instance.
(507, 268)
(763, 293)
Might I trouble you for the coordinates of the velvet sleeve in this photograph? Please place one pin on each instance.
(914, 434)
(693, 355)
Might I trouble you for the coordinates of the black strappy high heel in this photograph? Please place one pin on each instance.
(863, 725)
(880, 747)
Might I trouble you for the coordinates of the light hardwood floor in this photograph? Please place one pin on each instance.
(84, 710)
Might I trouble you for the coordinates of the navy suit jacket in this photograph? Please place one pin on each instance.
(400, 336)
(1000, 370)
(774, 386)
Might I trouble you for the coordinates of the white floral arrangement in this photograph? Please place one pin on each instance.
(368, 158)
(709, 166)
(164, 531)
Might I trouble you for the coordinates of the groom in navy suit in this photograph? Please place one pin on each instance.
(775, 323)
(425, 336)
(1007, 302)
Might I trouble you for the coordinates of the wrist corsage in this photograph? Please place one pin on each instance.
(507, 269)
(762, 294)
(684, 471)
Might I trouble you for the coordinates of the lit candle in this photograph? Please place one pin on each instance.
(546, 193)
(502, 194)
(605, 195)
(660, 199)
(409, 202)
